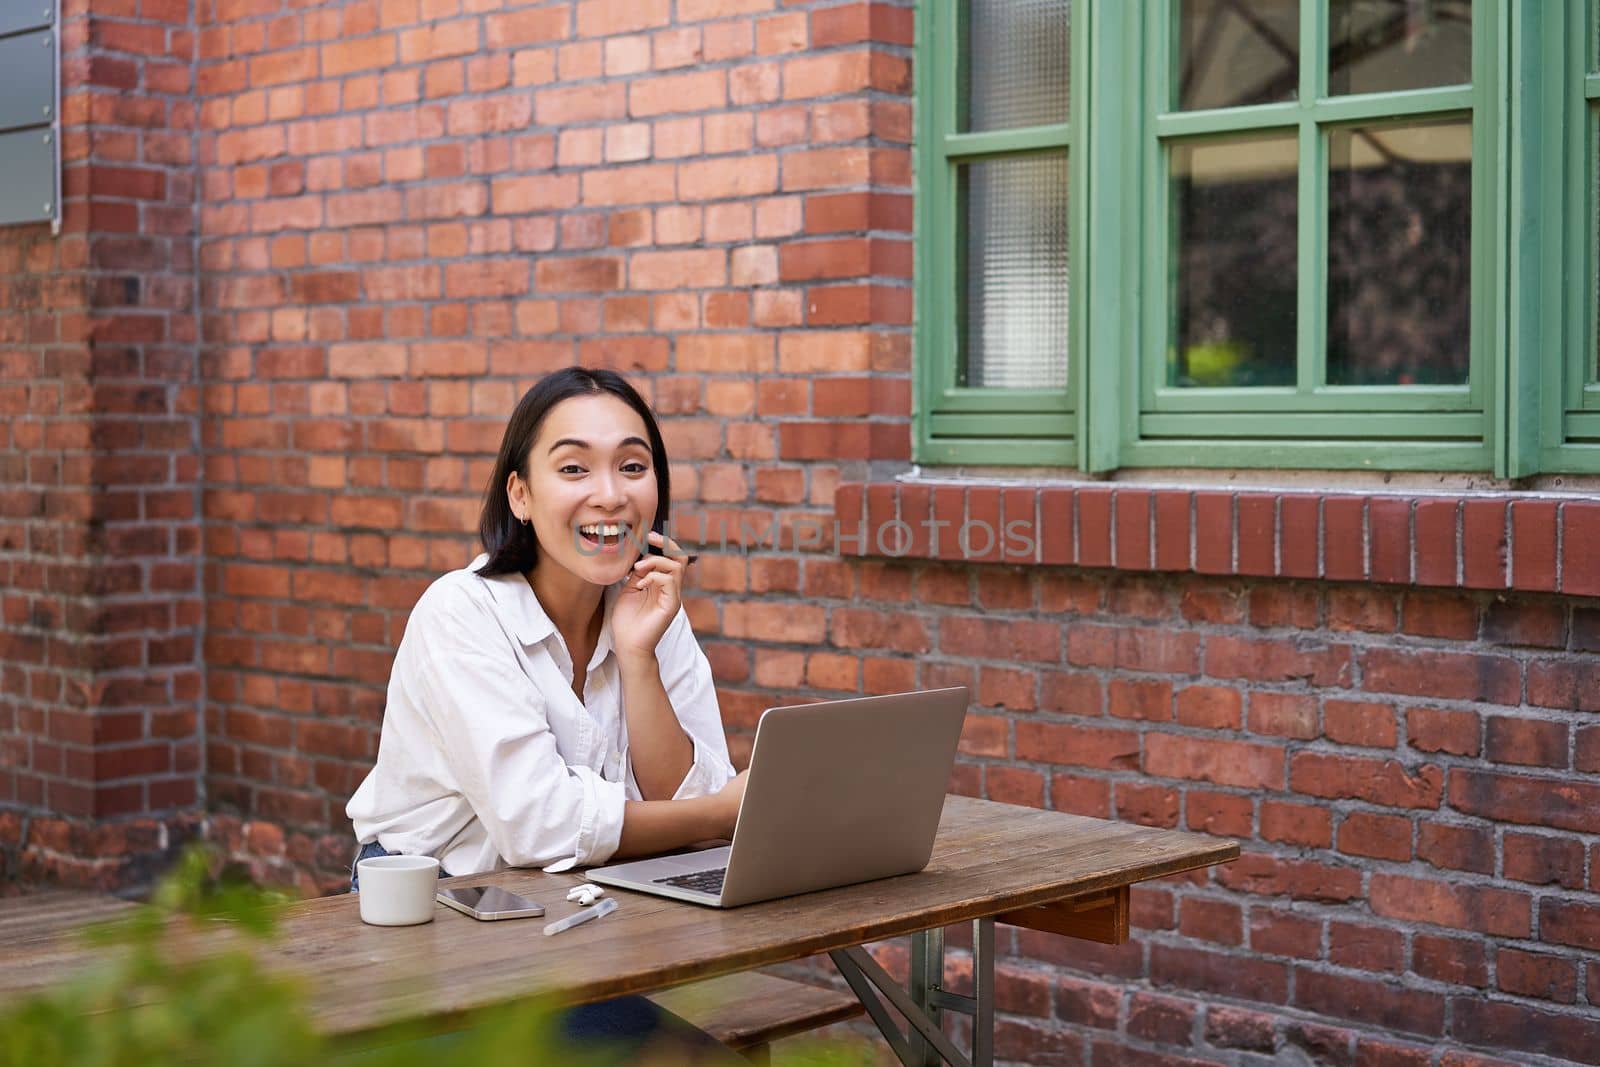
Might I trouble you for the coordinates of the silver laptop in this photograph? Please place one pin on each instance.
(838, 793)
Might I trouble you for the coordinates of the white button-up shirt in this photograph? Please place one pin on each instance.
(488, 759)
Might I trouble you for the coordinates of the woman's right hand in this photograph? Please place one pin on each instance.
(729, 798)
(650, 827)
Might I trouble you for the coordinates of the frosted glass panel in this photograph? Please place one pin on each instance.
(1232, 53)
(1234, 203)
(1015, 302)
(1017, 63)
(1380, 46)
(1400, 253)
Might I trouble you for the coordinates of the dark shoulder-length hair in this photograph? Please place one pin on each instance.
(512, 546)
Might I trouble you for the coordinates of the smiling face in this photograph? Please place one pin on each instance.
(591, 488)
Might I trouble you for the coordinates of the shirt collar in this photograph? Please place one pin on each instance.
(517, 605)
(602, 647)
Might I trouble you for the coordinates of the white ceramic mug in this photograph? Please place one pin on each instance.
(397, 890)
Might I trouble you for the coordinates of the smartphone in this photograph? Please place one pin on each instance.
(488, 902)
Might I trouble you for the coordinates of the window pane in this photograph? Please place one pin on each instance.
(1016, 272)
(1017, 63)
(1237, 52)
(1399, 253)
(1380, 46)
(1234, 208)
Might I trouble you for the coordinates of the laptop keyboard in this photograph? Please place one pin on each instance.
(704, 881)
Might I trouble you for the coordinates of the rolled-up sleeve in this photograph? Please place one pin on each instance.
(686, 676)
(490, 725)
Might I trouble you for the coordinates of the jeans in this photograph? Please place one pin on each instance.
(621, 1026)
(367, 852)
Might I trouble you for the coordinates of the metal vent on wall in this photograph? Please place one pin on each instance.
(30, 112)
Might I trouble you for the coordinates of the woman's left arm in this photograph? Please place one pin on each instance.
(676, 744)
(676, 747)
(659, 748)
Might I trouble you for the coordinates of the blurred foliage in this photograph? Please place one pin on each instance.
(139, 1006)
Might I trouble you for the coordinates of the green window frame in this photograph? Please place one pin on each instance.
(1310, 422)
(1587, 206)
(1565, 120)
(1531, 399)
(953, 422)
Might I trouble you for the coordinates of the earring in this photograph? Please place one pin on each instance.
(525, 520)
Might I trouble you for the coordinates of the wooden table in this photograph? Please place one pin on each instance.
(991, 861)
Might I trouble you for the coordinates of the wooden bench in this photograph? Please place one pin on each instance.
(749, 1011)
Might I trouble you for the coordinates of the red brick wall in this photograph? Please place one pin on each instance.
(99, 482)
(44, 478)
(410, 209)
(1411, 773)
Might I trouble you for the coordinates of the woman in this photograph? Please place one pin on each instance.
(549, 705)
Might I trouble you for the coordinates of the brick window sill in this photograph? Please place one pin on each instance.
(1508, 541)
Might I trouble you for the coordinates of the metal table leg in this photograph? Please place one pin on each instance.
(927, 978)
(925, 1043)
(983, 992)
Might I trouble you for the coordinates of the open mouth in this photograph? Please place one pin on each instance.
(600, 536)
